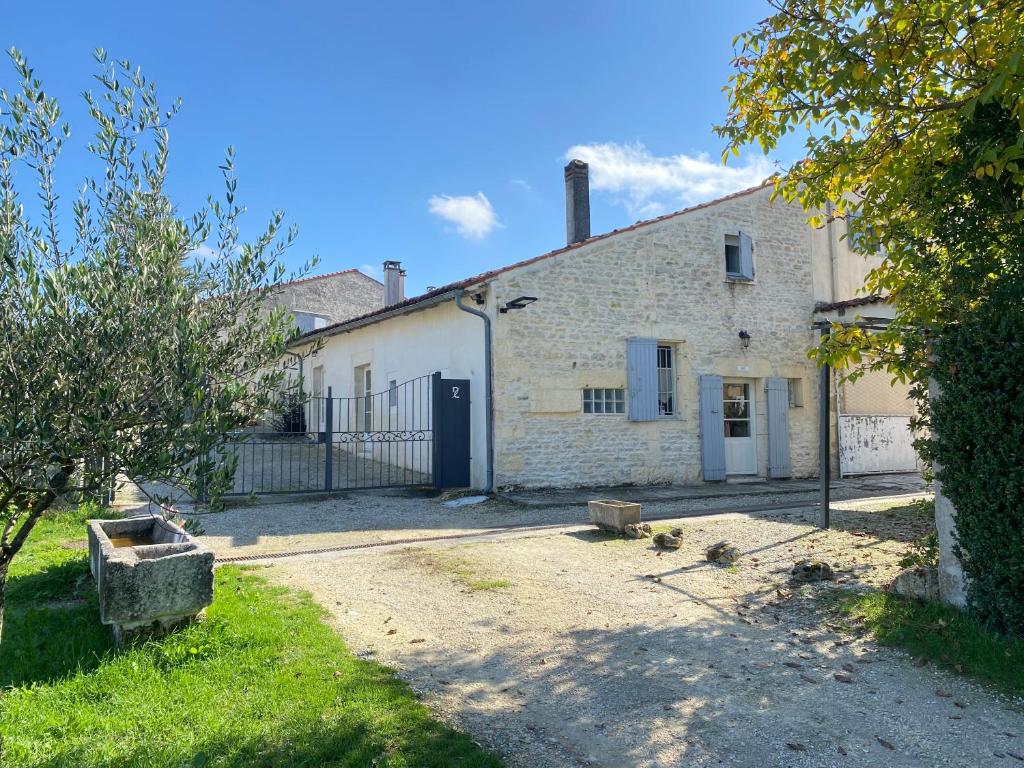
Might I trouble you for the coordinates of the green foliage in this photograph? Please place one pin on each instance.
(121, 340)
(193, 526)
(937, 633)
(898, 100)
(914, 116)
(924, 552)
(263, 681)
(979, 423)
(290, 416)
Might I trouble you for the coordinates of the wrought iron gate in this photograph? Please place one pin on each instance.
(322, 444)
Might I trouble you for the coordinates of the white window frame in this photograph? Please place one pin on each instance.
(795, 392)
(605, 396)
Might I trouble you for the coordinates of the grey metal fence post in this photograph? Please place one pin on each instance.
(328, 440)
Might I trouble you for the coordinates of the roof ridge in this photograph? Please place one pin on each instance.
(532, 260)
(332, 274)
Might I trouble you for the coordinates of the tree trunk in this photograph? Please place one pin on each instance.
(3, 588)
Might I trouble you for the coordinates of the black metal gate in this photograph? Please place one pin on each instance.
(377, 440)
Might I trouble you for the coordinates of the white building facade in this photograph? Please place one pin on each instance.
(673, 351)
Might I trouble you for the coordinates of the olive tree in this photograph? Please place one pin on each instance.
(133, 338)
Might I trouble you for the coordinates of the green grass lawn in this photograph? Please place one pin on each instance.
(937, 633)
(263, 681)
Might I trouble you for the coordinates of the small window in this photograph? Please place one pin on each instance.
(309, 321)
(666, 382)
(393, 393)
(604, 401)
(796, 392)
(732, 256)
(739, 257)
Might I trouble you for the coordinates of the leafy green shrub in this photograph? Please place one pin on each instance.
(291, 415)
(978, 424)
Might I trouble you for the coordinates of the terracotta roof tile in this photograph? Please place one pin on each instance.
(860, 301)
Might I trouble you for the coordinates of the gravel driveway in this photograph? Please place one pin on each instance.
(568, 647)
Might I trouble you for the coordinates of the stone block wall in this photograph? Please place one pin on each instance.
(665, 280)
(337, 296)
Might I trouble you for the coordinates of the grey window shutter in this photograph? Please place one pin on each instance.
(778, 428)
(642, 378)
(712, 429)
(746, 256)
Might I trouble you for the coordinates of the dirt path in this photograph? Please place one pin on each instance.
(274, 525)
(573, 650)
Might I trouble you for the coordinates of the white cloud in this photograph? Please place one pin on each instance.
(648, 185)
(204, 253)
(472, 215)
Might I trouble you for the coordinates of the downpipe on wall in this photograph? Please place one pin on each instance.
(488, 384)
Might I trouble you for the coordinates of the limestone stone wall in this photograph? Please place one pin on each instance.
(875, 394)
(337, 296)
(665, 280)
(838, 272)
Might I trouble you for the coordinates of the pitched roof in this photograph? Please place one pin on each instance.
(860, 301)
(330, 274)
(436, 293)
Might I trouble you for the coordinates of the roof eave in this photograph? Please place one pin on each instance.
(362, 322)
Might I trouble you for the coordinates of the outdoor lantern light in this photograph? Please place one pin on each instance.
(745, 339)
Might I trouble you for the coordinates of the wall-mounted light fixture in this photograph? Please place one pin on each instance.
(517, 303)
(744, 339)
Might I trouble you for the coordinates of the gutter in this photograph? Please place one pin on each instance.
(488, 383)
(833, 256)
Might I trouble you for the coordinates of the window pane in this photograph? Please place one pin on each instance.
(604, 400)
(737, 429)
(666, 382)
(732, 259)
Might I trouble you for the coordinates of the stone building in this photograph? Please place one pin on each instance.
(670, 351)
(322, 300)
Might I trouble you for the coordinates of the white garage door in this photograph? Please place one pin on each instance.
(875, 444)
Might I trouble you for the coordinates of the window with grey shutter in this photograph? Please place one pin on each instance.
(746, 257)
(778, 427)
(642, 378)
(712, 429)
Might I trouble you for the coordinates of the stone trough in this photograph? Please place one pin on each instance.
(612, 515)
(151, 575)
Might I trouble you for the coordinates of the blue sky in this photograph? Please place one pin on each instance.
(431, 133)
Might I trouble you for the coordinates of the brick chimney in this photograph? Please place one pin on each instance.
(394, 283)
(577, 201)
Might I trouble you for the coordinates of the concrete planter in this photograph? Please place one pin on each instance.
(151, 575)
(613, 515)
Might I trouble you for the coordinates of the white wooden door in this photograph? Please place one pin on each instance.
(738, 413)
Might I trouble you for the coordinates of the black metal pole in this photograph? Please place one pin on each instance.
(328, 440)
(824, 442)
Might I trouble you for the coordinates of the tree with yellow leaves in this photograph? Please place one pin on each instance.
(914, 126)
